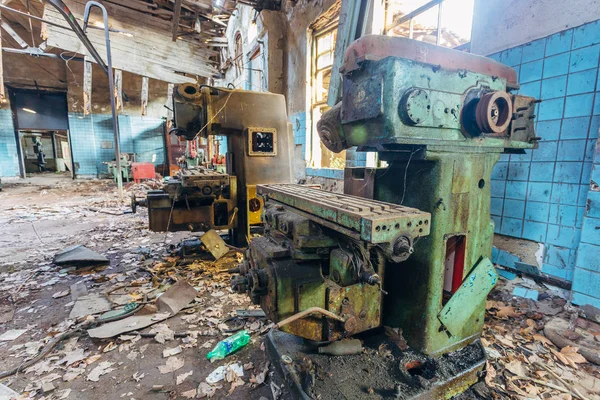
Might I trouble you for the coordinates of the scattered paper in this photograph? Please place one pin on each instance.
(183, 377)
(73, 373)
(206, 390)
(163, 333)
(138, 377)
(173, 364)
(72, 357)
(102, 369)
(232, 372)
(171, 352)
(190, 394)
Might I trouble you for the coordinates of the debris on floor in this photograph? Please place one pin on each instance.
(153, 314)
(79, 256)
(523, 360)
(75, 328)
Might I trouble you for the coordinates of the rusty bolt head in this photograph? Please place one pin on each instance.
(362, 315)
(350, 325)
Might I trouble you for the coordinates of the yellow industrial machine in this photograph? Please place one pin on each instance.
(259, 143)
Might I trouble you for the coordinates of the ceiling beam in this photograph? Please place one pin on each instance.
(14, 35)
(176, 16)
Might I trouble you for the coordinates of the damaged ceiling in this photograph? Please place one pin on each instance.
(177, 42)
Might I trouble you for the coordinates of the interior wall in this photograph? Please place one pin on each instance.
(92, 135)
(501, 24)
(287, 38)
(268, 42)
(551, 195)
(9, 160)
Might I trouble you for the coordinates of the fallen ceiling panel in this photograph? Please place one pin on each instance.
(142, 46)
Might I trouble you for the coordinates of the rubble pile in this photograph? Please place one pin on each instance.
(523, 363)
(145, 320)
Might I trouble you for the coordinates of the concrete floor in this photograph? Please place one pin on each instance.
(46, 213)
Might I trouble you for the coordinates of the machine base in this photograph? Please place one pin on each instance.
(374, 372)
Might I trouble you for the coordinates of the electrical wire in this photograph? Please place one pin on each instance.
(69, 68)
(216, 114)
(406, 174)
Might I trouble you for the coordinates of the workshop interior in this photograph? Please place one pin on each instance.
(299, 199)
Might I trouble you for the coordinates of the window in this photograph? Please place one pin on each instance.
(237, 59)
(420, 20)
(255, 69)
(323, 40)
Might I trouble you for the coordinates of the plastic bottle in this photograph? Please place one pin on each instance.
(227, 346)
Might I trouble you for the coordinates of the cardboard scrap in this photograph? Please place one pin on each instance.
(11, 335)
(163, 333)
(78, 290)
(173, 364)
(176, 297)
(173, 300)
(89, 305)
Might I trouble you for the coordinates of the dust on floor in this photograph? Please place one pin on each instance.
(42, 216)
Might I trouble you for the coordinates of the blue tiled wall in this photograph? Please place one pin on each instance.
(326, 173)
(356, 158)
(148, 139)
(83, 144)
(9, 160)
(542, 195)
(140, 135)
(586, 278)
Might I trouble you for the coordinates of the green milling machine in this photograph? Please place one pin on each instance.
(407, 246)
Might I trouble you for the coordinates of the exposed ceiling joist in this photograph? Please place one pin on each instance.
(145, 50)
(8, 29)
(176, 16)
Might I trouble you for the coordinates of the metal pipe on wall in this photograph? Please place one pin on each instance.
(111, 86)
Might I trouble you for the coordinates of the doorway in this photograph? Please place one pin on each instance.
(42, 133)
(46, 152)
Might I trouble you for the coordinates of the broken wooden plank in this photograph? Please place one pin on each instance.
(6, 26)
(119, 89)
(169, 104)
(144, 51)
(144, 95)
(176, 16)
(87, 87)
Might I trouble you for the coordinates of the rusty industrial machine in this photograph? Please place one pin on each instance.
(413, 252)
(259, 143)
(196, 199)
